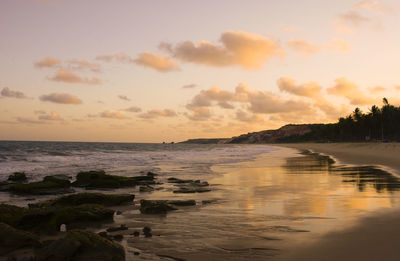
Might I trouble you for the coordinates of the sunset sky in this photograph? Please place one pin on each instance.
(169, 70)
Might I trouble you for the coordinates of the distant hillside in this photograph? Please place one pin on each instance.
(206, 141)
(379, 124)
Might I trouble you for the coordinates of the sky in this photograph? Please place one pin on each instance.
(170, 70)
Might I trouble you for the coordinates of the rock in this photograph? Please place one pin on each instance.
(118, 237)
(17, 177)
(99, 179)
(63, 228)
(146, 188)
(136, 253)
(151, 174)
(12, 239)
(81, 246)
(189, 202)
(191, 189)
(147, 232)
(175, 180)
(48, 220)
(49, 185)
(113, 229)
(11, 215)
(86, 198)
(155, 206)
(119, 212)
(136, 233)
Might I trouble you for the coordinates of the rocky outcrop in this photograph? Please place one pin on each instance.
(12, 239)
(82, 245)
(48, 186)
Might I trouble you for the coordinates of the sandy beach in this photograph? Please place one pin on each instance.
(375, 237)
(385, 155)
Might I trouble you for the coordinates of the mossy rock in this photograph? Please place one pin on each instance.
(49, 185)
(17, 177)
(155, 206)
(12, 239)
(11, 215)
(82, 246)
(86, 198)
(49, 220)
(99, 179)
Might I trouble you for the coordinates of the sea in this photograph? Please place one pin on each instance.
(264, 200)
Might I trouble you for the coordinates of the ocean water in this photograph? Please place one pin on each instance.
(39, 159)
(264, 200)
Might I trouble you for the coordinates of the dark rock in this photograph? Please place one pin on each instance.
(49, 185)
(119, 212)
(147, 232)
(113, 229)
(189, 202)
(151, 174)
(11, 215)
(17, 177)
(86, 198)
(136, 233)
(80, 246)
(136, 253)
(12, 239)
(48, 220)
(118, 237)
(146, 188)
(105, 235)
(191, 189)
(155, 206)
(179, 181)
(99, 179)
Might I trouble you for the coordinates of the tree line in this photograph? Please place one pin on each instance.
(378, 124)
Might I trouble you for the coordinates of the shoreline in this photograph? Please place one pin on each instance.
(382, 155)
(374, 236)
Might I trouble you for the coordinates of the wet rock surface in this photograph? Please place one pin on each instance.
(86, 198)
(82, 245)
(12, 239)
(99, 179)
(155, 206)
(17, 177)
(48, 186)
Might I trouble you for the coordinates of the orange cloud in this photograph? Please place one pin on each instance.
(158, 113)
(113, 115)
(189, 86)
(62, 98)
(310, 89)
(83, 64)
(53, 116)
(133, 109)
(249, 118)
(157, 62)
(303, 47)
(28, 120)
(48, 62)
(119, 57)
(377, 89)
(124, 97)
(345, 88)
(198, 113)
(248, 50)
(6, 92)
(64, 75)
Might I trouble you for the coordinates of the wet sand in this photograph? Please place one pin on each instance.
(386, 155)
(375, 237)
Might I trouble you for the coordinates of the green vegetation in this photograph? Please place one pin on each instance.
(378, 124)
(17, 176)
(49, 185)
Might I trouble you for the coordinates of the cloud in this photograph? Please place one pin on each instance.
(158, 113)
(53, 116)
(205, 97)
(371, 5)
(6, 92)
(310, 89)
(345, 88)
(247, 50)
(48, 62)
(397, 87)
(377, 89)
(338, 45)
(303, 47)
(247, 117)
(119, 57)
(64, 75)
(157, 62)
(266, 102)
(113, 115)
(225, 105)
(133, 109)
(63, 98)
(39, 112)
(28, 120)
(76, 64)
(354, 18)
(124, 97)
(189, 86)
(198, 113)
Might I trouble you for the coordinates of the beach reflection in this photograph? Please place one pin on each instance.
(266, 206)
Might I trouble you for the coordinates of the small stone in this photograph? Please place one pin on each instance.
(118, 212)
(118, 237)
(136, 253)
(136, 233)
